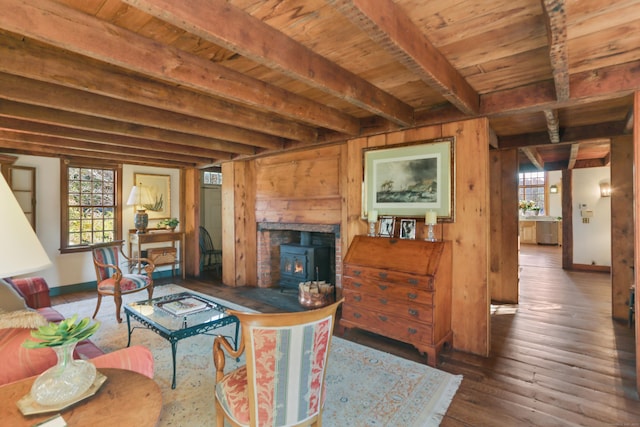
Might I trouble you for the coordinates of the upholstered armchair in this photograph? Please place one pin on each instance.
(282, 383)
(112, 281)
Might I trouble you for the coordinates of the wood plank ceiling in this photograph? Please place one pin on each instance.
(195, 83)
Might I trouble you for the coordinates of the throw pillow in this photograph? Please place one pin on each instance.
(26, 318)
(10, 300)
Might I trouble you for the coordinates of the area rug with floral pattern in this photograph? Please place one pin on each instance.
(365, 387)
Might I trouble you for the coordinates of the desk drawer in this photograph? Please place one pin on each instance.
(162, 256)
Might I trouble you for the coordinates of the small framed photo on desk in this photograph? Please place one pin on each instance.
(407, 228)
(387, 226)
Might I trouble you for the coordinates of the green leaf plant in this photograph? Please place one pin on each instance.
(65, 332)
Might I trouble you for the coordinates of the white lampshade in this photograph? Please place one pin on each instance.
(139, 196)
(20, 251)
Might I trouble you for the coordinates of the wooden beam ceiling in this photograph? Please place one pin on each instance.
(219, 22)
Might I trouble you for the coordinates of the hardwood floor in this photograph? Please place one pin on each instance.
(557, 358)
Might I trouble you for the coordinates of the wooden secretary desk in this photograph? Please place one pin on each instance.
(401, 289)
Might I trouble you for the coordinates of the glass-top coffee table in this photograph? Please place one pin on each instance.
(178, 316)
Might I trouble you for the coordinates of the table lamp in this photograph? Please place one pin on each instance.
(139, 197)
(21, 252)
(430, 219)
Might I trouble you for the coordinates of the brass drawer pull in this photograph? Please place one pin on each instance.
(383, 287)
(383, 318)
(383, 275)
(413, 312)
(357, 315)
(383, 301)
(357, 272)
(357, 298)
(412, 296)
(413, 281)
(357, 284)
(412, 331)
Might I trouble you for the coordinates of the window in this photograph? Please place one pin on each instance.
(213, 178)
(531, 187)
(90, 208)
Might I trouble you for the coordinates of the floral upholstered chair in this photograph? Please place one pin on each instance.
(112, 281)
(282, 383)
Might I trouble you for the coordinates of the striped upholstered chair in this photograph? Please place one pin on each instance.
(112, 281)
(282, 383)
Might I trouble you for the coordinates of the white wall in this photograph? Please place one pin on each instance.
(555, 200)
(591, 241)
(75, 268)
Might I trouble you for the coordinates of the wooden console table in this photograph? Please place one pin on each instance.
(401, 289)
(137, 241)
(112, 405)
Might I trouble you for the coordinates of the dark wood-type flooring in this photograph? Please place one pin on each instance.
(557, 359)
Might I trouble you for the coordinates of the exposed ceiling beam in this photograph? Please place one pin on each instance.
(388, 25)
(223, 24)
(557, 34)
(156, 148)
(534, 157)
(573, 156)
(568, 135)
(586, 87)
(67, 28)
(63, 146)
(27, 58)
(23, 90)
(553, 125)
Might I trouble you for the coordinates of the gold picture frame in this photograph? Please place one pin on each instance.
(409, 179)
(159, 187)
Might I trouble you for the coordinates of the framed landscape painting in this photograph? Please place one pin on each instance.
(159, 191)
(408, 180)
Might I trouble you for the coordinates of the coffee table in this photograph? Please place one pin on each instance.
(112, 404)
(173, 327)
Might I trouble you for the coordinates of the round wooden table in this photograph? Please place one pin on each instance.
(126, 398)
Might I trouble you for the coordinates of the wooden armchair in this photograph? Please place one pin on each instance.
(282, 383)
(112, 281)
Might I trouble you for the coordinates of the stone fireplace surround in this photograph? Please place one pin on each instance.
(273, 234)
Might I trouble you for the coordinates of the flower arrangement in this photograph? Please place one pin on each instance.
(65, 332)
(169, 223)
(526, 205)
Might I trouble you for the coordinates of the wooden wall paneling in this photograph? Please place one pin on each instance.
(469, 234)
(313, 197)
(503, 268)
(414, 135)
(352, 216)
(228, 224)
(249, 259)
(636, 210)
(567, 219)
(190, 219)
(622, 225)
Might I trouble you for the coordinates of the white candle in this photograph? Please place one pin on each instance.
(430, 217)
(373, 216)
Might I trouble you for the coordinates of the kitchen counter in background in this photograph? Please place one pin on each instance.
(543, 230)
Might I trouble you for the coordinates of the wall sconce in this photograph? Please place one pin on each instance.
(605, 189)
(553, 189)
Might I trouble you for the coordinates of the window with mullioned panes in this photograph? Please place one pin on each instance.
(531, 188)
(91, 212)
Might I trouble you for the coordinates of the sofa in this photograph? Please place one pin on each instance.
(19, 362)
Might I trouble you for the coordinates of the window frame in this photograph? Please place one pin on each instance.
(64, 200)
(545, 191)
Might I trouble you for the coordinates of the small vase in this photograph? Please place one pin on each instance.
(64, 382)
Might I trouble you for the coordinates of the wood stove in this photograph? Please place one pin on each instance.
(303, 262)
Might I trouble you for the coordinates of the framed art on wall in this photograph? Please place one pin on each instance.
(408, 180)
(159, 190)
